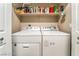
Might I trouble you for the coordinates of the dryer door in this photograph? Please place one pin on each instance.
(26, 49)
(56, 45)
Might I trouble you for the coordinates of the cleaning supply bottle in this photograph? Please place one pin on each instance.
(62, 10)
(51, 9)
(55, 9)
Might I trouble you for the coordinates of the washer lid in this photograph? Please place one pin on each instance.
(54, 33)
(27, 32)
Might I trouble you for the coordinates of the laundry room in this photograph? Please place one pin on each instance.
(41, 29)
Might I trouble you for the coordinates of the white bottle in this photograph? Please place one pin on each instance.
(47, 10)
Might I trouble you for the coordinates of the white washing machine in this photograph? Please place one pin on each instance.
(55, 43)
(27, 42)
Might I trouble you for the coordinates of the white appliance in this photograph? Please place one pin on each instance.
(55, 43)
(27, 42)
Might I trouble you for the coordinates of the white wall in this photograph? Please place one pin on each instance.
(35, 20)
(39, 18)
(15, 22)
(66, 25)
